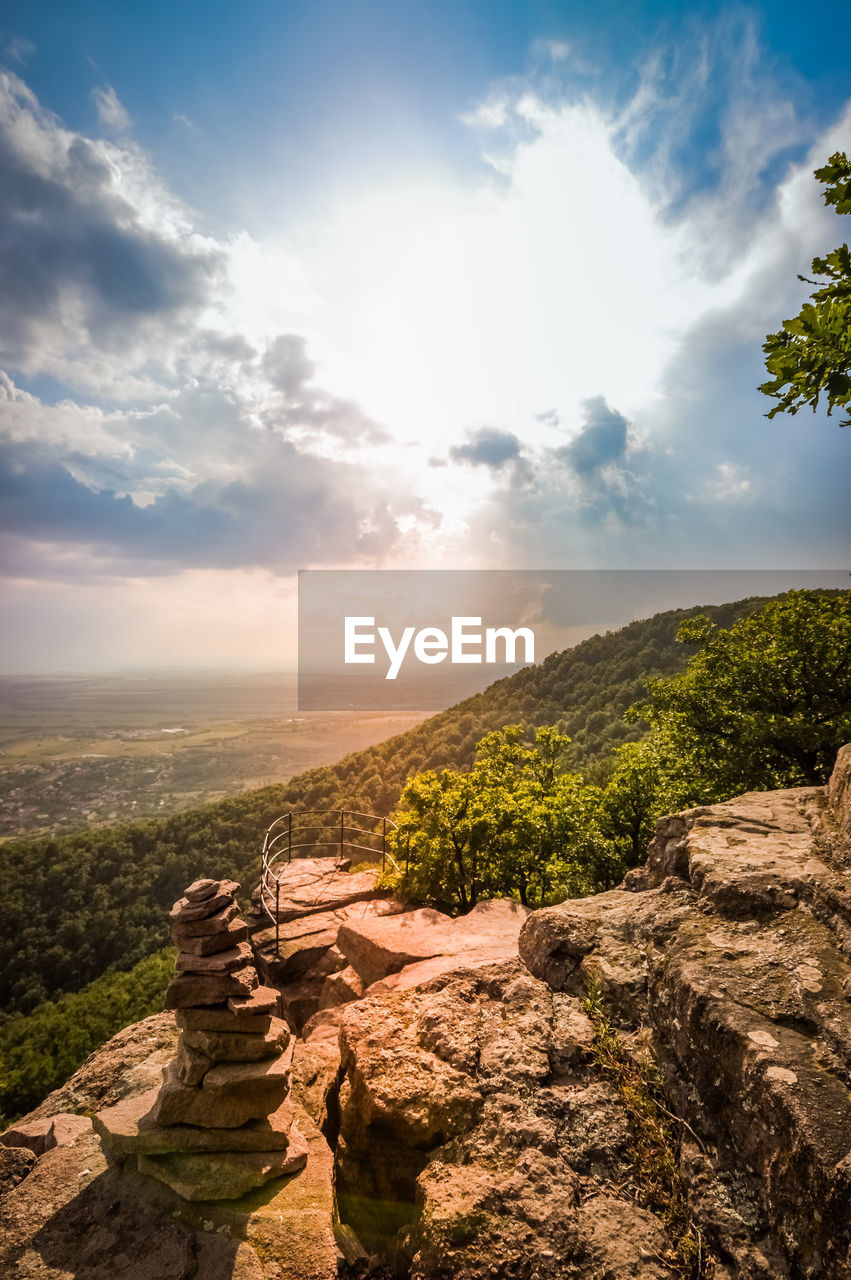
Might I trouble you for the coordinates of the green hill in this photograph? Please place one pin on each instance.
(78, 906)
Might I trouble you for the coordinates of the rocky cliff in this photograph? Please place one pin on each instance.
(652, 1083)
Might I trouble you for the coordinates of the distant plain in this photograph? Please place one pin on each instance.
(79, 750)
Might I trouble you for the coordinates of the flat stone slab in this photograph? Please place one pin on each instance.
(45, 1133)
(206, 925)
(249, 1075)
(317, 884)
(259, 1001)
(129, 1128)
(207, 944)
(201, 890)
(415, 975)
(187, 912)
(378, 946)
(229, 1096)
(220, 962)
(229, 1046)
(190, 989)
(221, 1018)
(224, 1175)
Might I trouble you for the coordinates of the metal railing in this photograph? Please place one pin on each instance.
(297, 835)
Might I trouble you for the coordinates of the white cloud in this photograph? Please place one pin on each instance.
(572, 339)
(111, 111)
(731, 483)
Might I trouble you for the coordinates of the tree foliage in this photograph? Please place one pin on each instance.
(514, 825)
(764, 704)
(810, 357)
(39, 1051)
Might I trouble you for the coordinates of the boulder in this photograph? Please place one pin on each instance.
(732, 946)
(455, 1110)
(378, 946)
(130, 1063)
(316, 1066)
(31, 1134)
(340, 988)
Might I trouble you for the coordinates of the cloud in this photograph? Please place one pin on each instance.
(98, 260)
(601, 441)
(19, 49)
(488, 447)
(286, 365)
(731, 483)
(111, 111)
(306, 408)
(229, 406)
(284, 509)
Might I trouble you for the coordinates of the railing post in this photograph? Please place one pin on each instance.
(342, 831)
(383, 844)
(277, 916)
(290, 839)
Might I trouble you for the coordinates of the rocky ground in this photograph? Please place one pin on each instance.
(481, 1116)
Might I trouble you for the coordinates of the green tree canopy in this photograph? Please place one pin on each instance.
(811, 355)
(514, 825)
(765, 704)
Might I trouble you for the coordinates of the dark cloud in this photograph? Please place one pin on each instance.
(601, 442)
(488, 447)
(77, 259)
(549, 417)
(295, 509)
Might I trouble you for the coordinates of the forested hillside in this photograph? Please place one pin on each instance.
(83, 916)
(75, 906)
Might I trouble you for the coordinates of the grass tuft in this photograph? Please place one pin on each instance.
(657, 1136)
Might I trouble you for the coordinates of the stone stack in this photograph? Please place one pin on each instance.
(222, 1122)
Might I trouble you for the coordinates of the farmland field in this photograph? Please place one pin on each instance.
(82, 750)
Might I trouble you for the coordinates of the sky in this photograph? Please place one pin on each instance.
(462, 284)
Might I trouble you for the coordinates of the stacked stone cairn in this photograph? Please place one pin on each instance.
(222, 1122)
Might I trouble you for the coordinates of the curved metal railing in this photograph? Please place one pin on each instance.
(298, 834)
